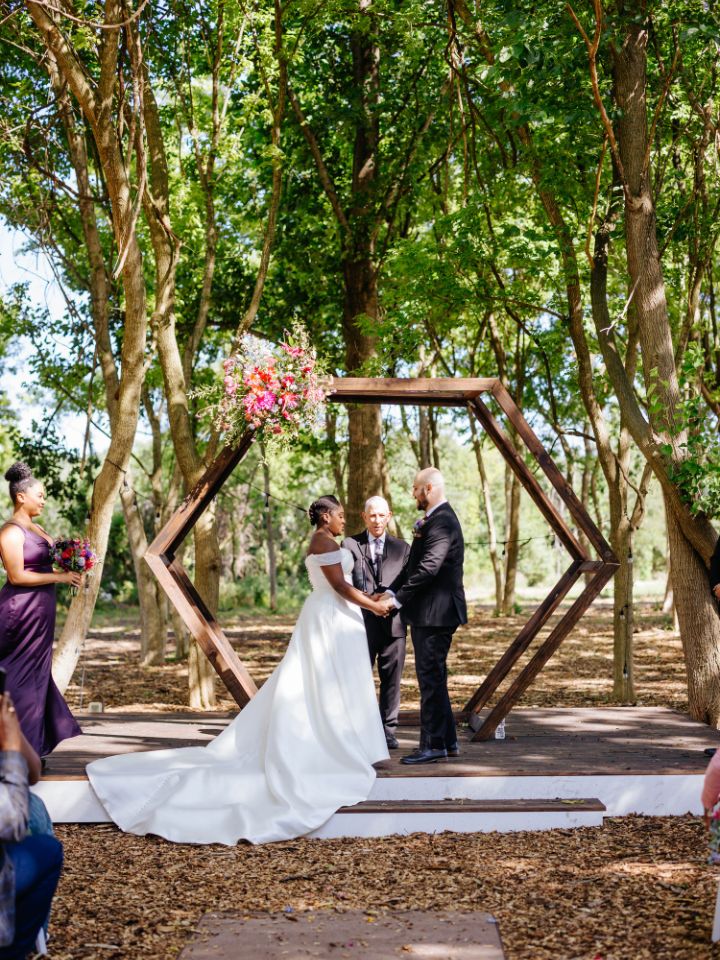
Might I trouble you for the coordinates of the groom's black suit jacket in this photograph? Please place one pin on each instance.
(430, 588)
(395, 553)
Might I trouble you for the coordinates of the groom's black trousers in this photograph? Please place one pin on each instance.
(437, 724)
(389, 651)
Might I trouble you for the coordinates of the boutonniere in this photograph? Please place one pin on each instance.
(417, 527)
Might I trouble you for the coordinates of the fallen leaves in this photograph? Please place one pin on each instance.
(579, 674)
(636, 889)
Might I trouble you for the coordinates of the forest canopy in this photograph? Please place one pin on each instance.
(527, 191)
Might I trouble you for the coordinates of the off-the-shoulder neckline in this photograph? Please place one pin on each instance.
(327, 553)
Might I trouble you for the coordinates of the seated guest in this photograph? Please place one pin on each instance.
(30, 865)
(711, 785)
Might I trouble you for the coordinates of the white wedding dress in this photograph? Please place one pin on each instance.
(301, 749)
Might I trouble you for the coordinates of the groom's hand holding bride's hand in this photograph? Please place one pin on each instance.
(385, 602)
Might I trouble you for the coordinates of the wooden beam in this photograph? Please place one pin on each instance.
(172, 577)
(195, 503)
(507, 448)
(434, 391)
(549, 468)
(523, 640)
(205, 629)
(546, 650)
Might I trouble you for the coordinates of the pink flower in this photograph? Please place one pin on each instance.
(230, 386)
(292, 351)
(260, 403)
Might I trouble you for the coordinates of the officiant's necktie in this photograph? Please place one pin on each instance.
(377, 559)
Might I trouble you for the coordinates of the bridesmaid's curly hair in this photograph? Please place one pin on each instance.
(20, 477)
(322, 505)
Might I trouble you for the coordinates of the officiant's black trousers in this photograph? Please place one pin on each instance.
(437, 724)
(389, 652)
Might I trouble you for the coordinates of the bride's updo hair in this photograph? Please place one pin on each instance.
(320, 506)
(20, 477)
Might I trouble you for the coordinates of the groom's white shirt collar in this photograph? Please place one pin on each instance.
(432, 509)
(380, 539)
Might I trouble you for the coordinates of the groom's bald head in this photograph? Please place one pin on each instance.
(428, 488)
(430, 476)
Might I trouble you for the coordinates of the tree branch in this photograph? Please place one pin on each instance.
(325, 178)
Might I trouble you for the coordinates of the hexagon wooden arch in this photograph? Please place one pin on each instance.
(445, 392)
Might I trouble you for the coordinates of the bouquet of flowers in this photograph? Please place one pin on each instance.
(275, 391)
(74, 555)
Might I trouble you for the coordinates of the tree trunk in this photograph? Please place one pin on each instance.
(153, 634)
(96, 102)
(512, 545)
(486, 502)
(269, 532)
(165, 246)
(366, 452)
(180, 631)
(697, 614)
(432, 416)
(668, 605)
(621, 537)
(201, 676)
(335, 452)
(589, 463)
(123, 394)
(699, 625)
(424, 438)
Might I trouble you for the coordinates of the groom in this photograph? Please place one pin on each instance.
(429, 593)
(379, 559)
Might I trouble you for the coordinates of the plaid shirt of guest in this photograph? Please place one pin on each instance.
(14, 804)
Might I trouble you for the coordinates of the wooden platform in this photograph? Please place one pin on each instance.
(539, 742)
(555, 769)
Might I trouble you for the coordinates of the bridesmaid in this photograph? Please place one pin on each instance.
(27, 617)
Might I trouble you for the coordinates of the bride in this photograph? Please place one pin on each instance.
(302, 748)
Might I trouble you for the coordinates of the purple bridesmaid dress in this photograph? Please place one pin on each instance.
(27, 631)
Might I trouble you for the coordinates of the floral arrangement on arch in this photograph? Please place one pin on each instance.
(275, 390)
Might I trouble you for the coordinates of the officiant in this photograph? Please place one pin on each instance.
(379, 559)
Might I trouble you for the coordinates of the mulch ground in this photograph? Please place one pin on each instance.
(637, 888)
(579, 674)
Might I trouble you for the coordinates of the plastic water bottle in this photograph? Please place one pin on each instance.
(500, 730)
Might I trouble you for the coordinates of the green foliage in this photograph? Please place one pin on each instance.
(698, 474)
(470, 269)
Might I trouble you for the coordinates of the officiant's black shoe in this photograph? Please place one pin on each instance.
(392, 742)
(425, 756)
(454, 749)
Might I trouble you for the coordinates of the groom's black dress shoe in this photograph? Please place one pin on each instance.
(425, 756)
(392, 743)
(454, 749)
